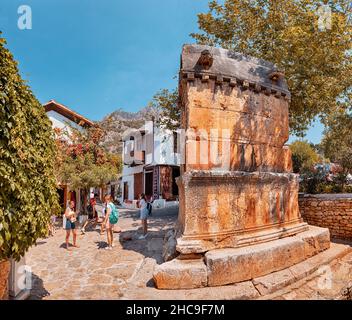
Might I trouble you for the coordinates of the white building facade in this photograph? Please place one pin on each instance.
(150, 163)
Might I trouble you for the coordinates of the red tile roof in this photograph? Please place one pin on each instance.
(68, 113)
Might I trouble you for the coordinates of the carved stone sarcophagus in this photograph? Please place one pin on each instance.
(239, 217)
(236, 186)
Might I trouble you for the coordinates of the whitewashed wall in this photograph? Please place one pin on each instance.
(130, 181)
(164, 147)
(61, 122)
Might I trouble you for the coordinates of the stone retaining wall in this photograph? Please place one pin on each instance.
(333, 211)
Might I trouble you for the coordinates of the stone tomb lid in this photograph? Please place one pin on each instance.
(227, 63)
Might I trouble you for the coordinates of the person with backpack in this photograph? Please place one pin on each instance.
(111, 218)
(144, 209)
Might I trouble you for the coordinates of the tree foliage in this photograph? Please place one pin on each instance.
(82, 162)
(303, 156)
(317, 63)
(337, 140)
(28, 195)
(168, 111)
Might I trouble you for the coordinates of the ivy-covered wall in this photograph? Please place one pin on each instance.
(28, 193)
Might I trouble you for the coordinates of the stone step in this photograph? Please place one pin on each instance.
(232, 265)
(181, 274)
(227, 266)
(285, 284)
(275, 281)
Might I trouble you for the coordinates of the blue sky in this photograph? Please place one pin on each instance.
(96, 56)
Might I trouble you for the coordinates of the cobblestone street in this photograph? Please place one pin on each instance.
(90, 272)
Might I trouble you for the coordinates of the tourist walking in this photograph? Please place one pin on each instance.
(111, 218)
(70, 226)
(144, 212)
(92, 214)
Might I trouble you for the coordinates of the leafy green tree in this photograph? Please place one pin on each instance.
(82, 162)
(317, 63)
(28, 195)
(303, 156)
(168, 111)
(337, 140)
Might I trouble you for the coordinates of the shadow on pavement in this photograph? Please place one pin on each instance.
(158, 224)
(39, 243)
(101, 244)
(38, 292)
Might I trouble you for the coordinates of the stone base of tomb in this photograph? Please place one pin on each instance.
(190, 244)
(230, 209)
(232, 265)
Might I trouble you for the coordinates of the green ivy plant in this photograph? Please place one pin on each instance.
(28, 194)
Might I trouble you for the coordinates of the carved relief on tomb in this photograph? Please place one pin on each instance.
(238, 209)
(212, 212)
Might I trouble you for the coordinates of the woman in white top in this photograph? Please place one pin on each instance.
(143, 215)
(70, 216)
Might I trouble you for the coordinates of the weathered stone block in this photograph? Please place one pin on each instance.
(287, 252)
(227, 266)
(229, 209)
(273, 281)
(315, 240)
(181, 274)
(232, 265)
(169, 246)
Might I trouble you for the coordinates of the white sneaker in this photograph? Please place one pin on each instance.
(108, 248)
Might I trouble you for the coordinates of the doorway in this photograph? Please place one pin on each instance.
(148, 188)
(125, 191)
(175, 174)
(138, 184)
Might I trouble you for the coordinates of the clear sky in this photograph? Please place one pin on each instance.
(96, 56)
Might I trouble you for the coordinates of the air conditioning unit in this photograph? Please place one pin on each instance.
(20, 280)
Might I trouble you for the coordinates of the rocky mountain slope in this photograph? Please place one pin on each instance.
(117, 122)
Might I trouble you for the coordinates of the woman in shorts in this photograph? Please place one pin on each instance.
(70, 216)
(109, 227)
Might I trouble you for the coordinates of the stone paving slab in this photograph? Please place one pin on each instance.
(90, 271)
